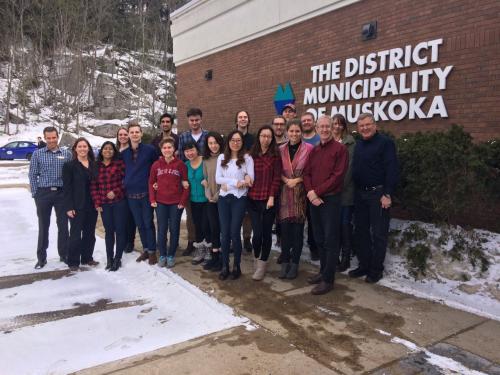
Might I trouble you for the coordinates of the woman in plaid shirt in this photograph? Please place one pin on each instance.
(108, 195)
(262, 194)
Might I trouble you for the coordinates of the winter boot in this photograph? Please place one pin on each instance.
(285, 267)
(199, 253)
(260, 270)
(143, 256)
(117, 263)
(293, 271)
(109, 264)
(152, 259)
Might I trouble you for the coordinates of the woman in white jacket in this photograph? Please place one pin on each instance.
(235, 174)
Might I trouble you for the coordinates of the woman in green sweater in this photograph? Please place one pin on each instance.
(199, 201)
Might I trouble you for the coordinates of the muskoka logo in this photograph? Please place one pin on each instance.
(283, 96)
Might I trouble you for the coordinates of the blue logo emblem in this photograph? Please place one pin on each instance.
(283, 96)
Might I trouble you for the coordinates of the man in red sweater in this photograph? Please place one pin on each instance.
(323, 181)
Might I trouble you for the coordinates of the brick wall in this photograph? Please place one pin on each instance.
(246, 76)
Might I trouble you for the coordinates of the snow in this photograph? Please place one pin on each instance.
(439, 286)
(448, 365)
(167, 310)
(13, 173)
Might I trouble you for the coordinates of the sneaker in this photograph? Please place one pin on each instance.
(170, 261)
(163, 261)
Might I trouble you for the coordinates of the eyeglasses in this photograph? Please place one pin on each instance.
(279, 123)
(235, 141)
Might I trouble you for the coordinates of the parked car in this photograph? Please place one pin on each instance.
(17, 150)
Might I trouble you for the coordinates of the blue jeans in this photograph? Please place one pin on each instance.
(231, 212)
(143, 217)
(114, 219)
(168, 218)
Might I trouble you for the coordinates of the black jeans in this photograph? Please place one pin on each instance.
(200, 221)
(213, 223)
(372, 229)
(45, 199)
(292, 241)
(326, 227)
(82, 237)
(131, 228)
(262, 226)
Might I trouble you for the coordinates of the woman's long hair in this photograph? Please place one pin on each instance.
(227, 150)
(117, 144)
(256, 150)
(100, 158)
(342, 121)
(90, 153)
(218, 138)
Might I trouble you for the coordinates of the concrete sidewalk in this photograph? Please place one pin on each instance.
(357, 328)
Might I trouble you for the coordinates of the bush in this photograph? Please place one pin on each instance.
(444, 175)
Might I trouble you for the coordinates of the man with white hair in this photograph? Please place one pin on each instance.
(323, 186)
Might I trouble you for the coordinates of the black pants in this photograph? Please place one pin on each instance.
(310, 234)
(292, 241)
(372, 229)
(200, 220)
(114, 220)
(82, 237)
(326, 227)
(131, 228)
(262, 226)
(45, 199)
(213, 224)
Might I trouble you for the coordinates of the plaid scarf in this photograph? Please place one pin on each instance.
(293, 201)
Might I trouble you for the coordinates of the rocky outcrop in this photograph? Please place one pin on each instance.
(109, 101)
(106, 130)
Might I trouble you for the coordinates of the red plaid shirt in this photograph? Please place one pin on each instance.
(109, 178)
(267, 170)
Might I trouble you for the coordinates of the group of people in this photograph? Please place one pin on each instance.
(292, 171)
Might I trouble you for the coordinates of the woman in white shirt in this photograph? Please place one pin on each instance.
(235, 175)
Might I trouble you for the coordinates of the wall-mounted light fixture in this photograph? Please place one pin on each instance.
(208, 75)
(369, 30)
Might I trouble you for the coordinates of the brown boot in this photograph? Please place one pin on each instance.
(152, 259)
(143, 256)
(322, 288)
(260, 270)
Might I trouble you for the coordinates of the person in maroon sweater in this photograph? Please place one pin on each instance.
(108, 195)
(262, 194)
(168, 193)
(323, 180)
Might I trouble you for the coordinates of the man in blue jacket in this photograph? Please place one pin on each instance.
(375, 173)
(138, 159)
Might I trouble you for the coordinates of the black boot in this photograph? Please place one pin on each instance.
(212, 262)
(129, 248)
(109, 263)
(224, 273)
(117, 263)
(345, 259)
(236, 272)
(189, 249)
(217, 267)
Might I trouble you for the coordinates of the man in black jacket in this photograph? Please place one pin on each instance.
(375, 173)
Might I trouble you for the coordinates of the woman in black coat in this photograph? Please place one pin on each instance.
(77, 175)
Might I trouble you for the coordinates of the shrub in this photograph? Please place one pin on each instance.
(444, 174)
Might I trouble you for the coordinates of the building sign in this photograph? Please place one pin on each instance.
(355, 79)
(284, 95)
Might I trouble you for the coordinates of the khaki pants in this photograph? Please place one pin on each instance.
(191, 232)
